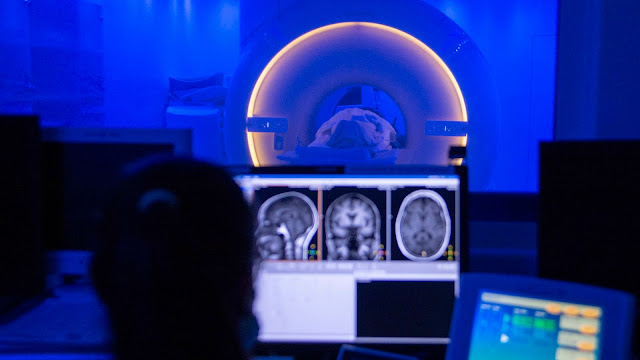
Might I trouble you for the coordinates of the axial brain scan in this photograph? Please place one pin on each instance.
(352, 225)
(286, 224)
(423, 225)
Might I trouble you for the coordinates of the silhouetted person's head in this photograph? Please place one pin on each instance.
(174, 262)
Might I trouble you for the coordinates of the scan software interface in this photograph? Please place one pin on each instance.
(514, 327)
(361, 259)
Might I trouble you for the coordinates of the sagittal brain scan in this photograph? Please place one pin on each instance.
(423, 225)
(286, 224)
(352, 226)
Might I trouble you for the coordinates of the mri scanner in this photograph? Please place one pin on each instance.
(305, 60)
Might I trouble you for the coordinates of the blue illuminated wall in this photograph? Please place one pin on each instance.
(107, 63)
(148, 41)
(52, 60)
(518, 39)
(598, 79)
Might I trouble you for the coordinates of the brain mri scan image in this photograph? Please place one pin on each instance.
(352, 226)
(423, 226)
(286, 224)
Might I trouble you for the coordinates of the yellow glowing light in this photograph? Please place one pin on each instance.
(302, 38)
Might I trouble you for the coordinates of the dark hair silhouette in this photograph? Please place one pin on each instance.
(173, 265)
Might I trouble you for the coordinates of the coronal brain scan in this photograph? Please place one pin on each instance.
(423, 225)
(352, 228)
(286, 224)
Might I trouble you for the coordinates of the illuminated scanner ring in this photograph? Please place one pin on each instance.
(402, 36)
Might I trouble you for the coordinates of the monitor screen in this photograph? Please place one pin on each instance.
(355, 258)
(80, 166)
(508, 326)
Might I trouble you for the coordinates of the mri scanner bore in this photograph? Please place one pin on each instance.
(368, 98)
(287, 225)
(411, 53)
(279, 105)
(354, 124)
(352, 227)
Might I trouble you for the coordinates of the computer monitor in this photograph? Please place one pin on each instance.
(21, 254)
(79, 167)
(522, 318)
(356, 257)
(588, 221)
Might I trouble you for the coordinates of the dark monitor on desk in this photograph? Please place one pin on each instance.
(21, 253)
(79, 167)
(354, 257)
(589, 217)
